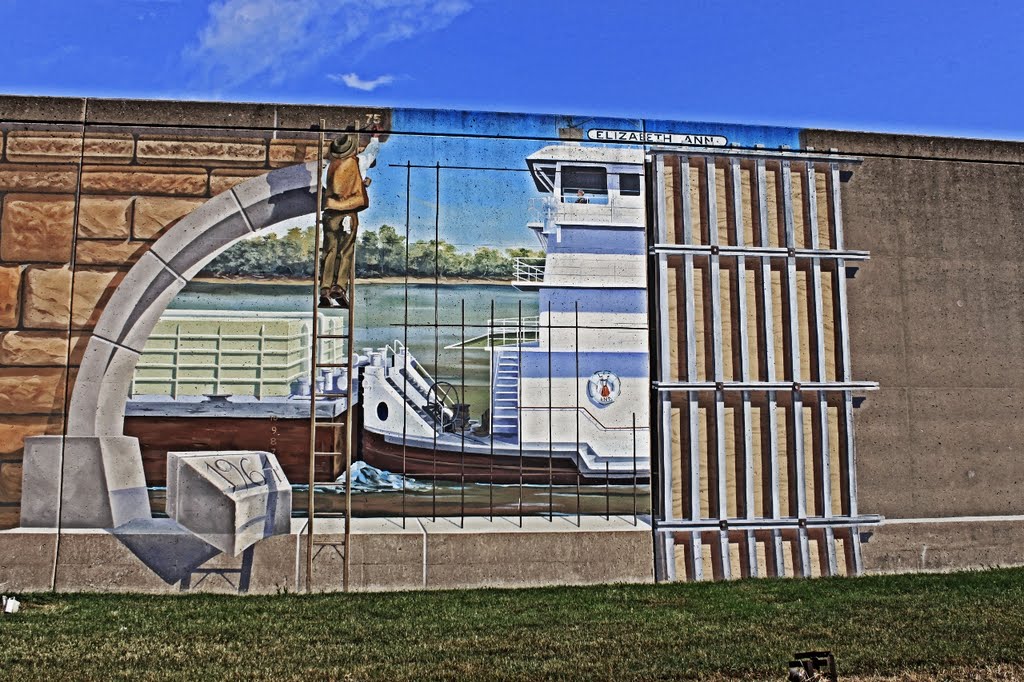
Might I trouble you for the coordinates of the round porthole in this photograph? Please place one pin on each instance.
(382, 411)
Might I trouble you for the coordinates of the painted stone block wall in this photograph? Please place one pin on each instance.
(39, 179)
(78, 209)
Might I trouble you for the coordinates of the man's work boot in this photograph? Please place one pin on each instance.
(339, 295)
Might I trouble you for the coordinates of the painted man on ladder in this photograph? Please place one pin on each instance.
(344, 197)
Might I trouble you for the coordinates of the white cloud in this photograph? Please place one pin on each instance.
(353, 80)
(272, 39)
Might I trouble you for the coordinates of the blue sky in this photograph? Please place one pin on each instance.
(934, 67)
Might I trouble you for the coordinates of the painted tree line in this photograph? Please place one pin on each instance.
(380, 253)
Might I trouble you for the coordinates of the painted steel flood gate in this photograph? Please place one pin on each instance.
(752, 389)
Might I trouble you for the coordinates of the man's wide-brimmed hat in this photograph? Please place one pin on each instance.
(343, 145)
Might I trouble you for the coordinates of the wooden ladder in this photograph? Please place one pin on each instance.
(340, 433)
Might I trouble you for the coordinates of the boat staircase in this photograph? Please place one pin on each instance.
(505, 415)
(411, 380)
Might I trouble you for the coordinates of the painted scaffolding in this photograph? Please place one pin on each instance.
(753, 387)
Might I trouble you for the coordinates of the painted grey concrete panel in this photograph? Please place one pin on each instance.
(142, 112)
(159, 555)
(126, 319)
(101, 390)
(103, 482)
(26, 559)
(43, 109)
(937, 318)
(896, 547)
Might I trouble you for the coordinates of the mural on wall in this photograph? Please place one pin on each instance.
(498, 361)
(500, 326)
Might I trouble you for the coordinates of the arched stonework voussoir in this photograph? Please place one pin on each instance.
(104, 380)
(104, 483)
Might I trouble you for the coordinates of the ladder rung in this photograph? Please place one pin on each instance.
(332, 425)
(328, 454)
(340, 365)
(332, 336)
(341, 394)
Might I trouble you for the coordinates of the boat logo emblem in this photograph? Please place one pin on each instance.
(603, 388)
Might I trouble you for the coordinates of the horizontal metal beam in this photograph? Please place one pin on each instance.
(684, 386)
(757, 251)
(767, 524)
(797, 155)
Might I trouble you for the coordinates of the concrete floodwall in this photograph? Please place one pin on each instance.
(109, 208)
(936, 318)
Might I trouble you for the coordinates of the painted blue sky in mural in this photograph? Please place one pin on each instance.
(936, 67)
(503, 195)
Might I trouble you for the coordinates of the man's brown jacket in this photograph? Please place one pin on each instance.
(345, 189)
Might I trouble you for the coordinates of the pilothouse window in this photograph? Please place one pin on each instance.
(629, 185)
(584, 185)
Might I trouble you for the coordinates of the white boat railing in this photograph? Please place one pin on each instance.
(549, 214)
(528, 270)
(514, 331)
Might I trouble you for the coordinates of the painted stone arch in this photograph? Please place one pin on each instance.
(93, 476)
(104, 379)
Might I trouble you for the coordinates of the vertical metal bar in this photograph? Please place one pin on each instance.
(693, 427)
(519, 405)
(717, 358)
(551, 416)
(696, 556)
(349, 422)
(797, 434)
(462, 426)
(437, 284)
(405, 342)
(664, 401)
(842, 322)
(73, 265)
(576, 357)
(776, 549)
(750, 545)
(635, 520)
(821, 423)
(310, 501)
(607, 494)
(494, 370)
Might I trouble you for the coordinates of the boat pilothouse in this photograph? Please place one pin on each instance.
(569, 387)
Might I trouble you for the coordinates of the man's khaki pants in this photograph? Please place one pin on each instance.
(339, 248)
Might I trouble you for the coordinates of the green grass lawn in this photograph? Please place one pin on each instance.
(908, 627)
